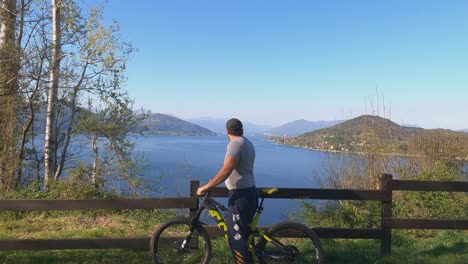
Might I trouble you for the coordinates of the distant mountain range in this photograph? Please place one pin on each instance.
(352, 135)
(298, 127)
(290, 129)
(168, 125)
(367, 131)
(218, 125)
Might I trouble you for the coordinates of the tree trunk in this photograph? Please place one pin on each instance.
(50, 146)
(71, 124)
(30, 119)
(9, 66)
(95, 163)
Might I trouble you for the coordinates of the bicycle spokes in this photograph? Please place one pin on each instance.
(283, 254)
(291, 243)
(178, 244)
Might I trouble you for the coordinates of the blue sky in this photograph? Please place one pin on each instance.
(271, 62)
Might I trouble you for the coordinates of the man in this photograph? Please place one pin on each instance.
(237, 173)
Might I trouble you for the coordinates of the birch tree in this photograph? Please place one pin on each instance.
(50, 150)
(67, 56)
(34, 40)
(107, 128)
(9, 55)
(93, 66)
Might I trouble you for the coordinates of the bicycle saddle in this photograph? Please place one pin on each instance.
(269, 191)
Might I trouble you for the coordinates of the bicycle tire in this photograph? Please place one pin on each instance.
(165, 244)
(302, 247)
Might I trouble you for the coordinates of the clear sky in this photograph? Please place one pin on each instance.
(272, 62)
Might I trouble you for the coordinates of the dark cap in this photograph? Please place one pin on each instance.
(234, 126)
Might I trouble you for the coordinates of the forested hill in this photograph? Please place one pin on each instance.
(382, 135)
(168, 125)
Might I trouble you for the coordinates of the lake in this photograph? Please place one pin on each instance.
(178, 160)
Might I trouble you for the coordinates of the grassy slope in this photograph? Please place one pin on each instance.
(447, 247)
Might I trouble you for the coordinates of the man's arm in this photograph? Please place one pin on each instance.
(230, 163)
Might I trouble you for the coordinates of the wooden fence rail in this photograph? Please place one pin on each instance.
(384, 195)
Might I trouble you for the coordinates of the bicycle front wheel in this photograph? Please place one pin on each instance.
(171, 243)
(292, 242)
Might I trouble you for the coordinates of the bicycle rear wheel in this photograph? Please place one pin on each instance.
(297, 244)
(166, 245)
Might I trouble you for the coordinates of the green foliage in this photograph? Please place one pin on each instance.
(72, 187)
(448, 205)
(350, 214)
(109, 128)
(69, 188)
(432, 205)
(92, 65)
(433, 155)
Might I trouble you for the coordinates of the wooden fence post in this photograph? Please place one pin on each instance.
(386, 211)
(193, 194)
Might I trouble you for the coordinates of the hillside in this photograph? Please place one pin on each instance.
(299, 127)
(382, 135)
(168, 125)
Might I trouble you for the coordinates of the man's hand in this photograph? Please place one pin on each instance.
(201, 191)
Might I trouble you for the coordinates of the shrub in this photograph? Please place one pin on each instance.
(433, 204)
(351, 214)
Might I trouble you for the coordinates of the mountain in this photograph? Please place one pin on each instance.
(464, 130)
(255, 128)
(298, 127)
(374, 132)
(218, 125)
(169, 125)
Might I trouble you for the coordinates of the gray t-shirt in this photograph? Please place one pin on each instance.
(242, 176)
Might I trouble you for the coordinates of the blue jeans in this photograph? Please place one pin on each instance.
(242, 205)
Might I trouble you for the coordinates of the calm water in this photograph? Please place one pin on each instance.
(178, 160)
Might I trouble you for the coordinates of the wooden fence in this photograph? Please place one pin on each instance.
(384, 196)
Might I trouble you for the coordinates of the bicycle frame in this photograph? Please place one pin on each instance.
(213, 207)
(263, 245)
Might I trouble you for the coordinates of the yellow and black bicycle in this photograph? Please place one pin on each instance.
(185, 240)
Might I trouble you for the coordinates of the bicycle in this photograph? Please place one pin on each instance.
(185, 240)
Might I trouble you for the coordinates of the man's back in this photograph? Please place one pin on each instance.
(243, 175)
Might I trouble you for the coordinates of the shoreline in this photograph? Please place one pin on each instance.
(361, 153)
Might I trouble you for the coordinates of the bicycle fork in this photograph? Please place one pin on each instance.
(185, 246)
(186, 242)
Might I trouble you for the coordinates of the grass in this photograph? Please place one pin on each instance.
(446, 247)
(76, 256)
(102, 223)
